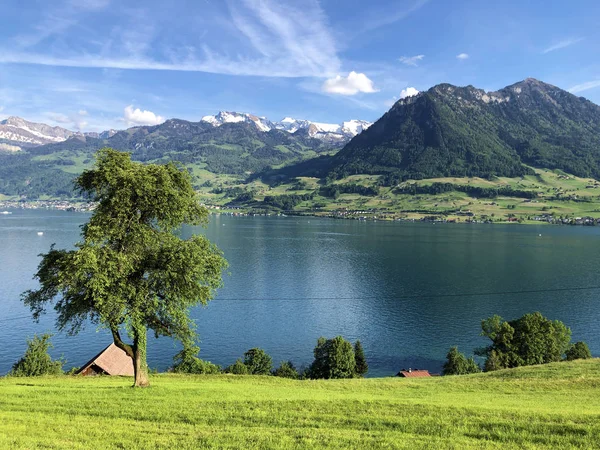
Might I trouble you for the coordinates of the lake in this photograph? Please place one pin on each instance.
(408, 291)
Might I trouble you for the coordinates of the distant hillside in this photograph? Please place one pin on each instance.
(228, 143)
(464, 131)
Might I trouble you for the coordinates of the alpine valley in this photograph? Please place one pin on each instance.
(530, 151)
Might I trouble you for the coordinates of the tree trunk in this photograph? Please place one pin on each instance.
(140, 366)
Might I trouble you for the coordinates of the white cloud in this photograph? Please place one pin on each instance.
(408, 92)
(137, 116)
(462, 56)
(83, 112)
(562, 44)
(350, 85)
(584, 86)
(411, 60)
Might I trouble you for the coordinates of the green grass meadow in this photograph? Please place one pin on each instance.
(552, 406)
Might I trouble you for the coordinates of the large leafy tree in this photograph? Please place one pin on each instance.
(334, 358)
(531, 339)
(131, 271)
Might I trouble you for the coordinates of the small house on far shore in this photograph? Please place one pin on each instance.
(110, 361)
(410, 373)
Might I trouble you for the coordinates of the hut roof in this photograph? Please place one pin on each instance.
(414, 373)
(112, 361)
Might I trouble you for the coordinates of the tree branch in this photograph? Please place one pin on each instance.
(119, 342)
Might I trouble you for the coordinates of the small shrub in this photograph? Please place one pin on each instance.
(36, 361)
(361, 362)
(258, 362)
(286, 370)
(187, 361)
(458, 364)
(72, 371)
(237, 368)
(579, 350)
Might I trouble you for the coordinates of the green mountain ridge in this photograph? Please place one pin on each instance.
(467, 132)
(232, 148)
(447, 131)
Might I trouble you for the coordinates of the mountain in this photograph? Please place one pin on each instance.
(323, 131)
(17, 133)
(229, 142)
(465, 131)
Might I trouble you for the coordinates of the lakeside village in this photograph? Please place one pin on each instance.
(371, 214)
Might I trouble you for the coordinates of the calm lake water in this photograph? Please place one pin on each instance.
(407, 291)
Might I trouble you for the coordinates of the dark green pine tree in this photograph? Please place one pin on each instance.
(361, 363)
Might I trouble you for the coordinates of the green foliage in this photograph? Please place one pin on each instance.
(258, 362)
(22, 176)
(457, 364)
(361, 362)
(471, 191)
(334, 358)
(131, 271)
(187, 361)
(237, 368)
(287, 201)
(531, 339)
(452, 131)
(36, 361)
(579, 350)
(334, 190)
(72, 371)
(286, 370)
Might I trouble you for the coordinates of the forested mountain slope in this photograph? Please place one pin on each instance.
(465, 132)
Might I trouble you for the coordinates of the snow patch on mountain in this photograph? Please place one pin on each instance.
(319, 130)
(18, 130)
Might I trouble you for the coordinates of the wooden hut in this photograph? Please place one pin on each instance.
(110, 361)
(410, 373)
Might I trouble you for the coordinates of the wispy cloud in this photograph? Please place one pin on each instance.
(562, 44)
(462, 56)
(76, 121)
(584, 86)
(353, 84)
(377, 18)
(277, 40)
(89, 4)
(411, 60)
(60, 16)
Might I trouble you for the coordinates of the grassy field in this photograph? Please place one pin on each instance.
(552, 406)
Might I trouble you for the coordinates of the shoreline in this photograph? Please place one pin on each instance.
(365, 216)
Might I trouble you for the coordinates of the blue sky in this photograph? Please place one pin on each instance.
(99, 64)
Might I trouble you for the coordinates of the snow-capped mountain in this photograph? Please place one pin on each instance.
(262, 123)
(20, 130)
(22, 133)
(17, 133)
(323, 131)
